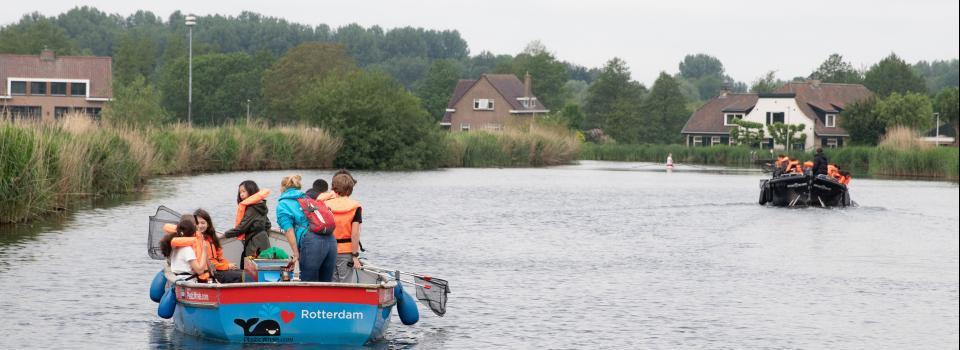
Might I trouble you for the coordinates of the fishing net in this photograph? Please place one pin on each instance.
(436, 296)
(163, 216)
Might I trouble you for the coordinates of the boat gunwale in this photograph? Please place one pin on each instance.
(301, 284)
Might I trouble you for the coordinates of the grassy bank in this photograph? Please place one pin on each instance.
(931, 162)
(43, 165)
(544, 145)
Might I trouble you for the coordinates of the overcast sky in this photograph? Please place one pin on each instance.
(749, 37)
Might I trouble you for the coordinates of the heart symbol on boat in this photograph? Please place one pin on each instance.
(286, 316)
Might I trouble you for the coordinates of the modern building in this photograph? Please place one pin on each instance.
(490, 103)
(46, 87)
(811, 103)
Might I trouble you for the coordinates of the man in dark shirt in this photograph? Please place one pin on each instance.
(319, 186)
(819, 163)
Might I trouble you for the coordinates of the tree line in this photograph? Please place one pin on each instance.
(274, 69)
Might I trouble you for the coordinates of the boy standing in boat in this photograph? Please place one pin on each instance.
(348, 215)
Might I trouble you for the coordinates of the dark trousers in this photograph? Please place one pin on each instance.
(318, 257)
(228, 276)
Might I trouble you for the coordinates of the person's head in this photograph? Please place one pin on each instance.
(247, 188)
(670, 155)
(290, 181)
(205, 226)
(185, 228)
(844, 173)
(343, 184)
(782, 156)
(819, 150)
(320, 185)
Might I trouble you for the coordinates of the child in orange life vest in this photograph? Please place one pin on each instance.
(845, 178)
(224, 271)
(186, 258)
(252, 225)
(348, 215)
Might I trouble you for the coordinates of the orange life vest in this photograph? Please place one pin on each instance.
(807, 165)
(242, 206)
(198, 247)
(343, 209)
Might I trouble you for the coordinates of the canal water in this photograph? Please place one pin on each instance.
(595, 255)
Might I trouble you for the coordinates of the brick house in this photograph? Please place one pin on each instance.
(490, 103)
(47, 87)
(812, 103)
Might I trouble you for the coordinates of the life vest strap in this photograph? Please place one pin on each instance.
(344, 240)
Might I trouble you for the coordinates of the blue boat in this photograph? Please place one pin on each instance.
(267, 308)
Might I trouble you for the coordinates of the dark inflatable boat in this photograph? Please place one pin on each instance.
(791, 190)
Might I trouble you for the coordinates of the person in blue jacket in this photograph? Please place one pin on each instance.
(317, 254)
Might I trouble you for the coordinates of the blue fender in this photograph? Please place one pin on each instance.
(168, 304)
(157, 286)
(406, 306)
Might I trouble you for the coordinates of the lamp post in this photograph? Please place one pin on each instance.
(938, 128)
(190, 22)
(248, 111)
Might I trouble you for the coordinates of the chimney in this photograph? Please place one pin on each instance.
(526, 85)
(724, 91)
(47, 55)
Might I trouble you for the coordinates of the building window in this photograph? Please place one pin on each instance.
(831, 142)
(78, 89)
(58, 89)
(494, 126)
(38, 88)
(23, 112)
(59, 112)
(483, 104)
(775, 117)
(698, 140)
(464, 126)
(714, 140)
(729, 118)
(18, 88)
(799, 146)
(830, 120)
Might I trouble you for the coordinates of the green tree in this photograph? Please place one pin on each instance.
(136, 104)
(946, 104)
(664, 112)
(912, 110)
(381, 124)
(767, 83)
(891, 75)
(836, 70)
(32, 34)
(92, 29)
(294, 71)
(571, 115)
(223, 83)
(700, 65)
(860, 121)
(939, 74)
(787, 134)
(614, 102)
(547, 74)
(747, 133)
(135, 57)
(437, 86)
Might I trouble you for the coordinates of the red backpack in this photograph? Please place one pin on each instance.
(318, 215)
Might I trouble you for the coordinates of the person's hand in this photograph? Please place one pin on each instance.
(294, 258)
(356, 263)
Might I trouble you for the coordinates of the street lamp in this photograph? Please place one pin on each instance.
(190, 22)
(938, 128)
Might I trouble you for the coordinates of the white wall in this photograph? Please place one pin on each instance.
(792, 115)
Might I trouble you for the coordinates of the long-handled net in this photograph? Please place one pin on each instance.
(431, 291)
(163, 216)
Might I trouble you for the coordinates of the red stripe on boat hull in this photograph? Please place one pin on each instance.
(299, 294)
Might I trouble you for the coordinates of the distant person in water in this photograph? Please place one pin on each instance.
(670, 160)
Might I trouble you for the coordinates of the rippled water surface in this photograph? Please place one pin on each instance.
(597, 255)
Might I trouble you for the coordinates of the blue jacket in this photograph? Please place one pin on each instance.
(289, 213)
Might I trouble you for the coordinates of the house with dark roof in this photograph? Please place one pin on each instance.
(812, 103)
(490, 103)
(47, 87)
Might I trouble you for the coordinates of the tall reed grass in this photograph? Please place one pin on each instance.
(44, 164)
(897, 158)
(539, 145)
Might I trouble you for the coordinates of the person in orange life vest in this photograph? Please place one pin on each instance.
(780, 166)
(845, 178)
(252, 225)
(807, 167)
(833, 171)
(223, 271)
(793, 166)
(186, 257)
(347, 215)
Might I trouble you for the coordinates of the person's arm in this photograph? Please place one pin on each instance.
(285, 221)
(355, 243)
